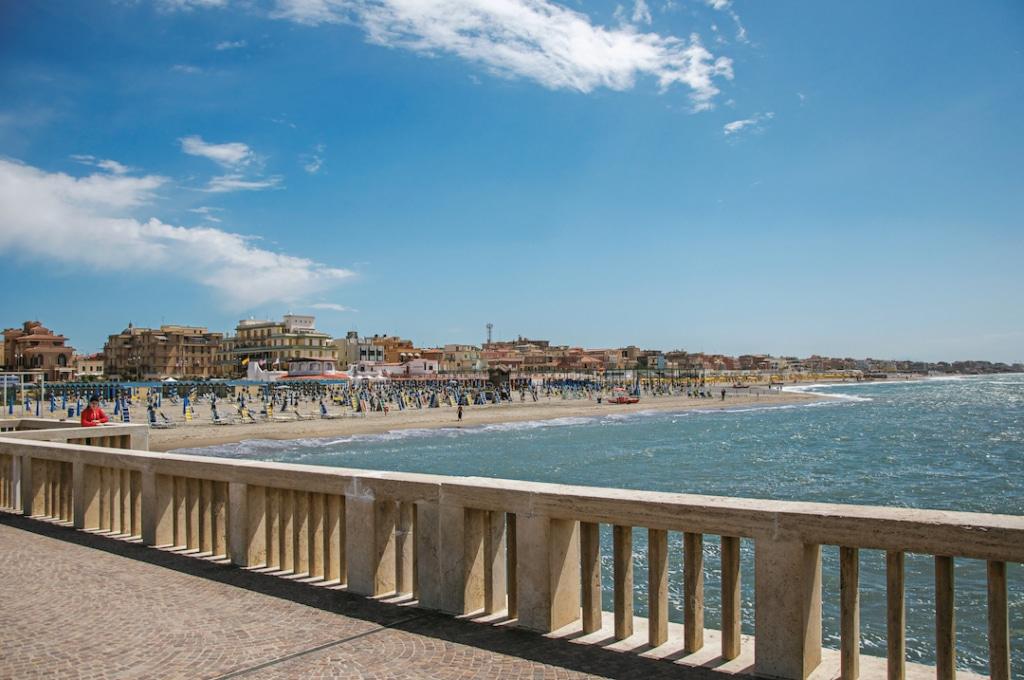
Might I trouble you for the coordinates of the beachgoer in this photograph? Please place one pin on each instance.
(460, 413)
(94, 415)
(723, 394)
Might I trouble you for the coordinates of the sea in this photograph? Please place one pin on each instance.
(946, 443)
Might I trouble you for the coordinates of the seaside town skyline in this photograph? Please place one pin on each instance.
(194, 352)
(680, 174)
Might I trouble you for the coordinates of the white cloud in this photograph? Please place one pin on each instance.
(535, 39)
(726, 6)
(207, 213)
(230, 155)
(755, 123)
(331, 306)
(187, 69)
(90, 222)
(235, 182)
(641, 13)
(312, 162)
(110, 166)
(191, 4)
(229, 45)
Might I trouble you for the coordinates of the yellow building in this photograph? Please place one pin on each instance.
(273, 343)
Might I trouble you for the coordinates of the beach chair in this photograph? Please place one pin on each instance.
(156, 424)
(325, 414)
(299, 415)
(218, 419)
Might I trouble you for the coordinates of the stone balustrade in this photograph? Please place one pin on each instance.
(466, 545)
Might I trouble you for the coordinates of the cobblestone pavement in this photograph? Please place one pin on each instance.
(74, 604)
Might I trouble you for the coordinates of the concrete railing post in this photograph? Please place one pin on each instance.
(247, 543)
(19, 489)
(26, 489)
(157, 509)
(548, 572)
(138, 439)
(787, 601)
(462, 559)
(370, 545)
(428, 554)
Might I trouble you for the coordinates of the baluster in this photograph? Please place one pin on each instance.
(68, 485)
(511, 565)
(590, 563)
(179, 511)
(849, 612)
(404, 541)
(300, 519)
(220, 519)
(896, 616)
(657, 586)
(192, 530)
(125, 519)
(316, 535)
(622, 547)
(495, 579)
(111, 498)
(273, 500)
(136, 493)
(284, 510)
(998, 623)
(205, 516)
(945, 619)
(731, 615)
(334, 539)
(693, 592)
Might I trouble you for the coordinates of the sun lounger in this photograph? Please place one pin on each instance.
(157, 425)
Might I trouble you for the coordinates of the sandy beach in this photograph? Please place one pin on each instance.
(195, 434)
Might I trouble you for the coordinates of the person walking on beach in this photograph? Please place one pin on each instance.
(460, 413)
(94, 415)
(723, 394)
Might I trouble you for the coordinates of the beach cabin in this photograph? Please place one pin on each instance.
(309, 368)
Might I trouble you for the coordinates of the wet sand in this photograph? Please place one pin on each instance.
(196, 434)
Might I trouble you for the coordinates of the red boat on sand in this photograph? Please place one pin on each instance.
(620, 396)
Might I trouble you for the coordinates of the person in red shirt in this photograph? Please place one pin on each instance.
(94, 415)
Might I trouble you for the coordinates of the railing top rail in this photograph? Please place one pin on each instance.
(63, 431)
(32, 424)
(934, 532)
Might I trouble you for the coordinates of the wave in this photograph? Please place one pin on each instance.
(802, 389)
(262, 448)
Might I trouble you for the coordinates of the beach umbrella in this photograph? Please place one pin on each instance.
(53, 403)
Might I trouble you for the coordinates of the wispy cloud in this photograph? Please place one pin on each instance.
(110, 166)
(207, 213)
(641, 13)
(534, 39)
(190, 4)
(229, 45)
(312, 162)
(331, 306)
(187, 69)
(40, 208)
(230, 154)
(726, 6)
(753, 124)
(236, 182)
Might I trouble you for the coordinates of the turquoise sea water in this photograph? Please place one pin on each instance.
(953, 444)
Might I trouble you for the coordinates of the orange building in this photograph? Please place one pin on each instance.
(34, 347)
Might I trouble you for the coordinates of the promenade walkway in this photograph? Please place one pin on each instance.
(77, 604)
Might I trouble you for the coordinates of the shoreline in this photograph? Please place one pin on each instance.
(204, 435)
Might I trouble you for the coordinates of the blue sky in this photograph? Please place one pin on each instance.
(786, 177)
